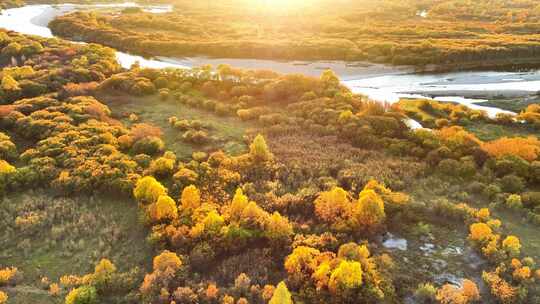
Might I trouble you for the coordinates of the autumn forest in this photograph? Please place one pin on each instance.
(184, 152)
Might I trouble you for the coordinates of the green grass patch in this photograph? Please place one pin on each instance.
(226, 133)
(512, 104)
(46, 236)
(490, 131)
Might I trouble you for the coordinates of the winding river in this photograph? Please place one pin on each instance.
(379, 82)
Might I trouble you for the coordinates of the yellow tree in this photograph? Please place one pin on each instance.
(167, 260)
(239, 202)
(213, 222)
(148, 190)
(330, 78)
(278, 227)
(301, 262)
(253, 216)
(83, 294)
(470, 290)
(368, 212)
(191, 198)
(512, 245)
(103, 272)
(480, 232)
(333, 206)
(164, 209)
(281, 295)
(259, 151)
(3, 297)
(347, 276)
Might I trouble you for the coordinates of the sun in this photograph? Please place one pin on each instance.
(283, 5)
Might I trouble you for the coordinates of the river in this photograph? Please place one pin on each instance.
(380, 82)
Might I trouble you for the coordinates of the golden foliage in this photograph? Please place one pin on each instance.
(278, 227)
(83, 294)
(259, 151)
(148, 190)
(512, 244)
(164, 209)
(143, 130)
(167, 260)
(70, 280)
(480, 232)
(212, 291)
(281, 295)
(348, 275)
(450, 294)
(526, 148)
(191, 198)
(301, 260)
(368, 213)
(268, 292)
(483, 214)
(470, 290)
(239, 202)
(333, 206)
(54, 289)
(6, 168)
(522, 273)
(7, 275)
(456, 137)
(3, 297)
(500, 289)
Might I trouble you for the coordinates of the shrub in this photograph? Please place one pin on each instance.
(8, 276)
(167, 260)
(149, 145)
(368, 213)
(148, 190)
(347, 276)
(531, 200)
(491, 191)
(425, 293)
(526, 148)
(164, 209)
(514, 201)
(196, 136)
(201, 256)
(259, 151)
(162, 166)
(3, 297)
(512, 245)
(185, 295)
(82, 295)
(480, 232)
(333, 206)
(449, 167)
(281, 295)
(191, 198)
(512, 184)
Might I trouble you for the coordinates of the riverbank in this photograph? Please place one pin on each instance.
(380, 82)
